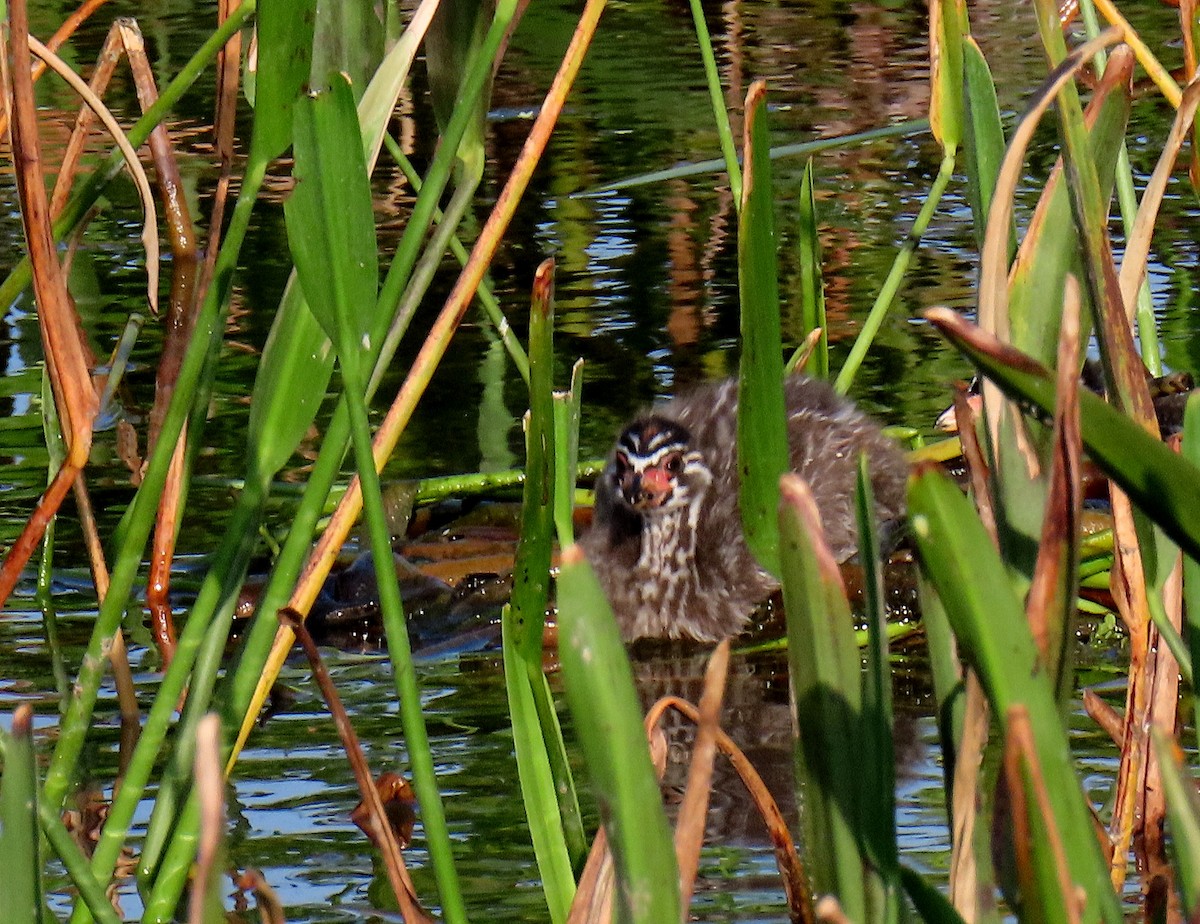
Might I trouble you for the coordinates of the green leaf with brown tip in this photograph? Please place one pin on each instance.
(762, 433)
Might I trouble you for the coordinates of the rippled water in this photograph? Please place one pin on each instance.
(647, 295)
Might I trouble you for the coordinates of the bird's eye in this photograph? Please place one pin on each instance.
(674, 463)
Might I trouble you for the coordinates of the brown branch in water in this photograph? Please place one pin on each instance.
(795, 880)
(689, 829)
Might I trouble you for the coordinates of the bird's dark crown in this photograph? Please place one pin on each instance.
(651, 435)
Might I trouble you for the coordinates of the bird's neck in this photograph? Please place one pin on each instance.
(668, 555)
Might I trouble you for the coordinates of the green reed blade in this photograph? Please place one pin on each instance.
(541, 754)
(762, 422)
(799, 149)
(537, 781)
(891, 285)
(567, 412)
(607, 716)
(21, 898)
(932, 906)
(531, 573)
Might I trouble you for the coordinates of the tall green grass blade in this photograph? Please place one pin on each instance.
(1183, 813)
(531, 573)
(537, 783)
(21, 898)
(761, 424)
(607, 716)
(823, 664)
(717, 97)
(812, 283)
(877, 797)
(989, 620)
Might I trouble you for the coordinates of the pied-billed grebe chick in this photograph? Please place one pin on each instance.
(666, 540)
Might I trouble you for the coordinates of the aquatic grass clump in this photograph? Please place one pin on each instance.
(1001, 583)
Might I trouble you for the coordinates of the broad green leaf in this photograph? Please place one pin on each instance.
(823, 661)
(948, 25)
(608, 720)
(347, 39)
(285, 36)
(989, 620)
(331, 225)
(983, 142)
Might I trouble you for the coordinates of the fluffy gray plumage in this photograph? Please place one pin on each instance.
(668, 546)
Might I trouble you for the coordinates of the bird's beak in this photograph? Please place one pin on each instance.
(651, 489)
